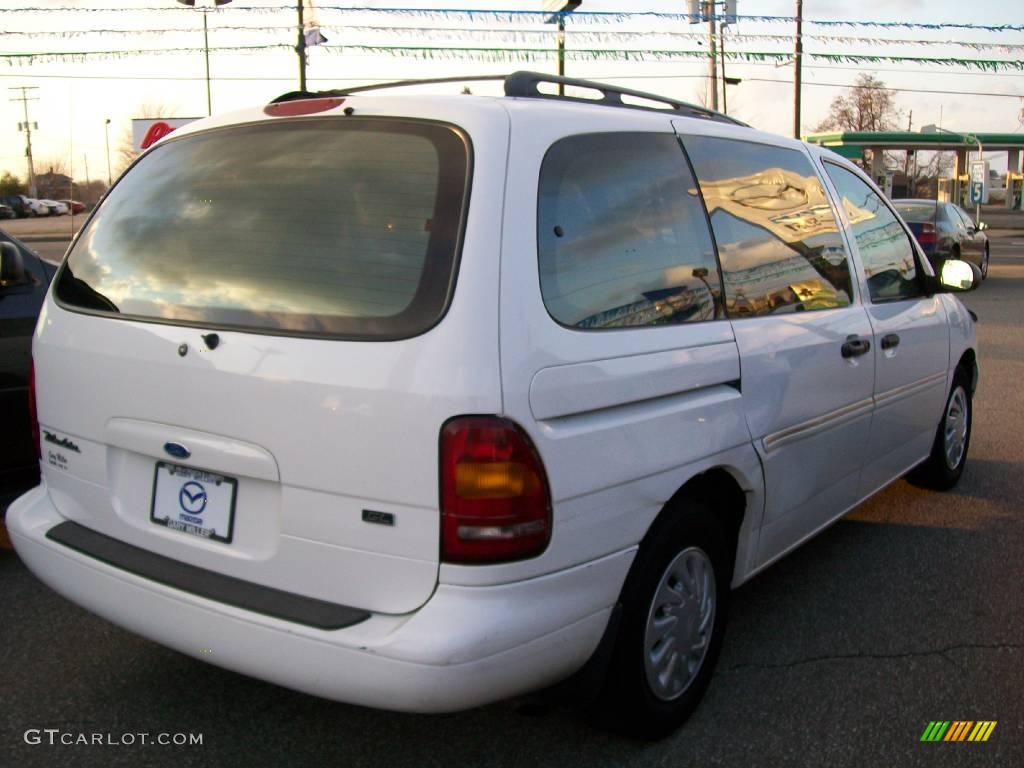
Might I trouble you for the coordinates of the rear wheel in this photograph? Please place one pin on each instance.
(673, 618)
(944, 466)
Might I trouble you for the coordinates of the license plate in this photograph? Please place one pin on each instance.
(194, 501)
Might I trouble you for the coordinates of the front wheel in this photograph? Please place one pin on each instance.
(945, 464)
(984, 264)
(674, 612)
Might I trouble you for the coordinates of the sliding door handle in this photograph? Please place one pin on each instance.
(890, 341)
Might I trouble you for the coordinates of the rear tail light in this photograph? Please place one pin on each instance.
(927, 235)
(33, 417)
(495, 500)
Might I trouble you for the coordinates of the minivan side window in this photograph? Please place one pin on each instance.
(777, 237)
(622, 238)
(884, 246)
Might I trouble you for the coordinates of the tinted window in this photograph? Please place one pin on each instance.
(777, 238)
(884, 247)
(916, 212)
(622, 236)
(336, 226)
(965, 217)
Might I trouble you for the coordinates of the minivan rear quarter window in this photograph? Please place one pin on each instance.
(622, 237)
(345, 227)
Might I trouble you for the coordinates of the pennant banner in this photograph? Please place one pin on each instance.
(530, 55)
(507, 16)
(520, 35)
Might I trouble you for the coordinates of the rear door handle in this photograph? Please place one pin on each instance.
(890, 341)
(855, 347)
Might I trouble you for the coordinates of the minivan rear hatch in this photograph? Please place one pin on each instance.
(249, 361)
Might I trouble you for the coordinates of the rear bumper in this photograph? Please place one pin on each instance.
(467, 646)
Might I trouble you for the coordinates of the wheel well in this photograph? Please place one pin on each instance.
(720, 490)
(969, 363)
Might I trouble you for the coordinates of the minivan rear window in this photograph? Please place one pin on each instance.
(346, 227)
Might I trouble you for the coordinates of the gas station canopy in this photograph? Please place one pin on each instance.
(958, 188)
(850, 143)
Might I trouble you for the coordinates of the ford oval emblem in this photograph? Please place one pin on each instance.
(177, 450)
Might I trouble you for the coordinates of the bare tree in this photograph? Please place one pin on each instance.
(926, 178)
(866, 106)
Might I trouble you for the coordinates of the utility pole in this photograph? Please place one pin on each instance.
(206, 52)
(301, 47)
(24, 99)
(712, 64)
(906, 160)
(725, 80)
(798, 55)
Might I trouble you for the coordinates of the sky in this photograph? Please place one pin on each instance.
(74, 97)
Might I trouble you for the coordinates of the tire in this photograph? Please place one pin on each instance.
(945, 464)
(684, 563)
(984, 263)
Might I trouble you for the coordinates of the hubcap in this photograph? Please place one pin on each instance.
(679, 624)
(956, 427)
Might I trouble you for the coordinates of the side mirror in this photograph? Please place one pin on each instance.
(958, 276)
(12, 266)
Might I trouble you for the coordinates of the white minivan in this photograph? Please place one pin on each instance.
(420, 402)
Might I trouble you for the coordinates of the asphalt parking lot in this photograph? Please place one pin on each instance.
(910, 610)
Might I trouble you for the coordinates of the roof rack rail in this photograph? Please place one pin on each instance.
(525, 84)
(296, 95)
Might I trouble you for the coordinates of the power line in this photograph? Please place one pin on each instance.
(184, 78)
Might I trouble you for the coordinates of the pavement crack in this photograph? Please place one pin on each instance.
(943, 652)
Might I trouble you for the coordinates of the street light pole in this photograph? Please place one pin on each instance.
(205, 7)
(558, 10)
(106, 131)
(712, 64)
(206, 53)
(301, 47)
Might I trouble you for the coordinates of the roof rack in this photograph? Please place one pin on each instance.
(526, 85)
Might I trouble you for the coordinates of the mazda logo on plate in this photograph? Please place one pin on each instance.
(192, 498)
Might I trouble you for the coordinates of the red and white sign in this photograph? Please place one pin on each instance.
(148, 131)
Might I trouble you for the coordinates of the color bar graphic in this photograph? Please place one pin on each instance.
(935, 730)
(958, 730)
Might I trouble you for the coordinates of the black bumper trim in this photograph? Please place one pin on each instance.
(209, 584)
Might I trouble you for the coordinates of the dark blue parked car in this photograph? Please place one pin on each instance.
(946, 231)
(24, 278)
